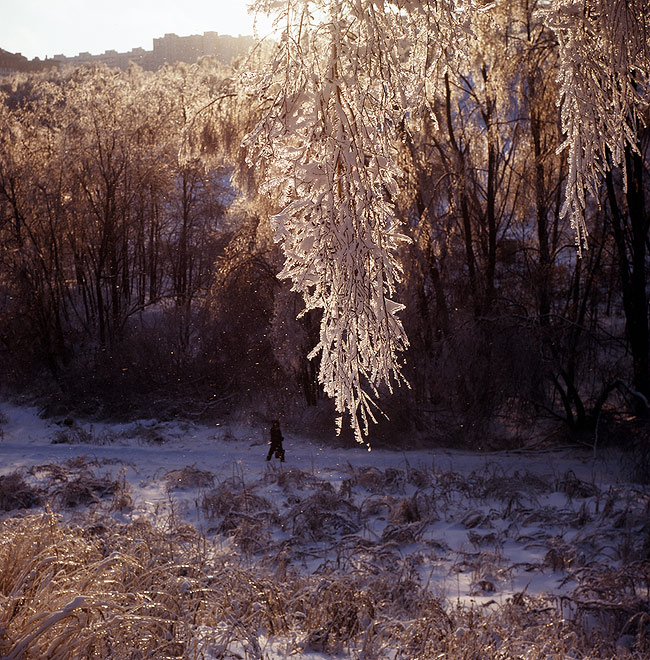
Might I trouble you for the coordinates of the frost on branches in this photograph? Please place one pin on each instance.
(604, 64)
(328, 143)
(347, 76)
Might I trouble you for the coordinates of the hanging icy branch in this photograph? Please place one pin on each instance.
(347, 74)
(328, 143)
(603, 49)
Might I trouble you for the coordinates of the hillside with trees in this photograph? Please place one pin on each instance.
(422, 181)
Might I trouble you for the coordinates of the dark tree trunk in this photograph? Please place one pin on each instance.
(631, 234)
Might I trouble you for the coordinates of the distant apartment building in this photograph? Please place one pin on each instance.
(166, 50)
(169, 49)
(110, 57)
(172, 48)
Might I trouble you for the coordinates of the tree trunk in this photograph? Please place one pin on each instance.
(630, 234)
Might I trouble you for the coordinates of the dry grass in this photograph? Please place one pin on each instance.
(104, 590)
(323, 515)
(292, 478)
(236, 511)
(75, 483)
(107, 590)
(149, 434)
(67, 594)
(63, 486)
(76, 435)
(189, 477)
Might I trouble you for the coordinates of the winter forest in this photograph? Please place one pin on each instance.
(410, 226)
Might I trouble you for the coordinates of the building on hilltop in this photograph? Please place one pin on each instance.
(166, 50)
(110, 58)
(170, 49)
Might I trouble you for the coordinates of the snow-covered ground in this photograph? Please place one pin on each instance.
(474, 528)
(529, 513)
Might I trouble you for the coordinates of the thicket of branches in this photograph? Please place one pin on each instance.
(129, 273)
(113, 249)
(471, 82)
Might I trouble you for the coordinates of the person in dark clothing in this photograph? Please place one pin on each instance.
(276, 442)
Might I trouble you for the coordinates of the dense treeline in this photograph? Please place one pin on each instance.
(111, 245)
(137, 263)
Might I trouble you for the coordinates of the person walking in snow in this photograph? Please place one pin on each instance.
(276, 442)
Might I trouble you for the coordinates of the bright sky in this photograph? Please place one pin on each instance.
(40, 28)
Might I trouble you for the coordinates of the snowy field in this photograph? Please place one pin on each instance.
(565, 529)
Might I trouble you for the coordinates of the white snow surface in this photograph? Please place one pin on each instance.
(473, 527)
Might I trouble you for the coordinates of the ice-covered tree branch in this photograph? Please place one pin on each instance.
(328, 140)
(604, 77)
(347, 77)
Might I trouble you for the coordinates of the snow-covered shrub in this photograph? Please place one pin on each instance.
(375, 480)
(323, 515)
(84, 488)
(293, 478)
(76, 435)
(16, 493)
(75, 483)
(188, 477)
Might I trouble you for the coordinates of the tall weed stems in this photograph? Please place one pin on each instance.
(98, 589)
